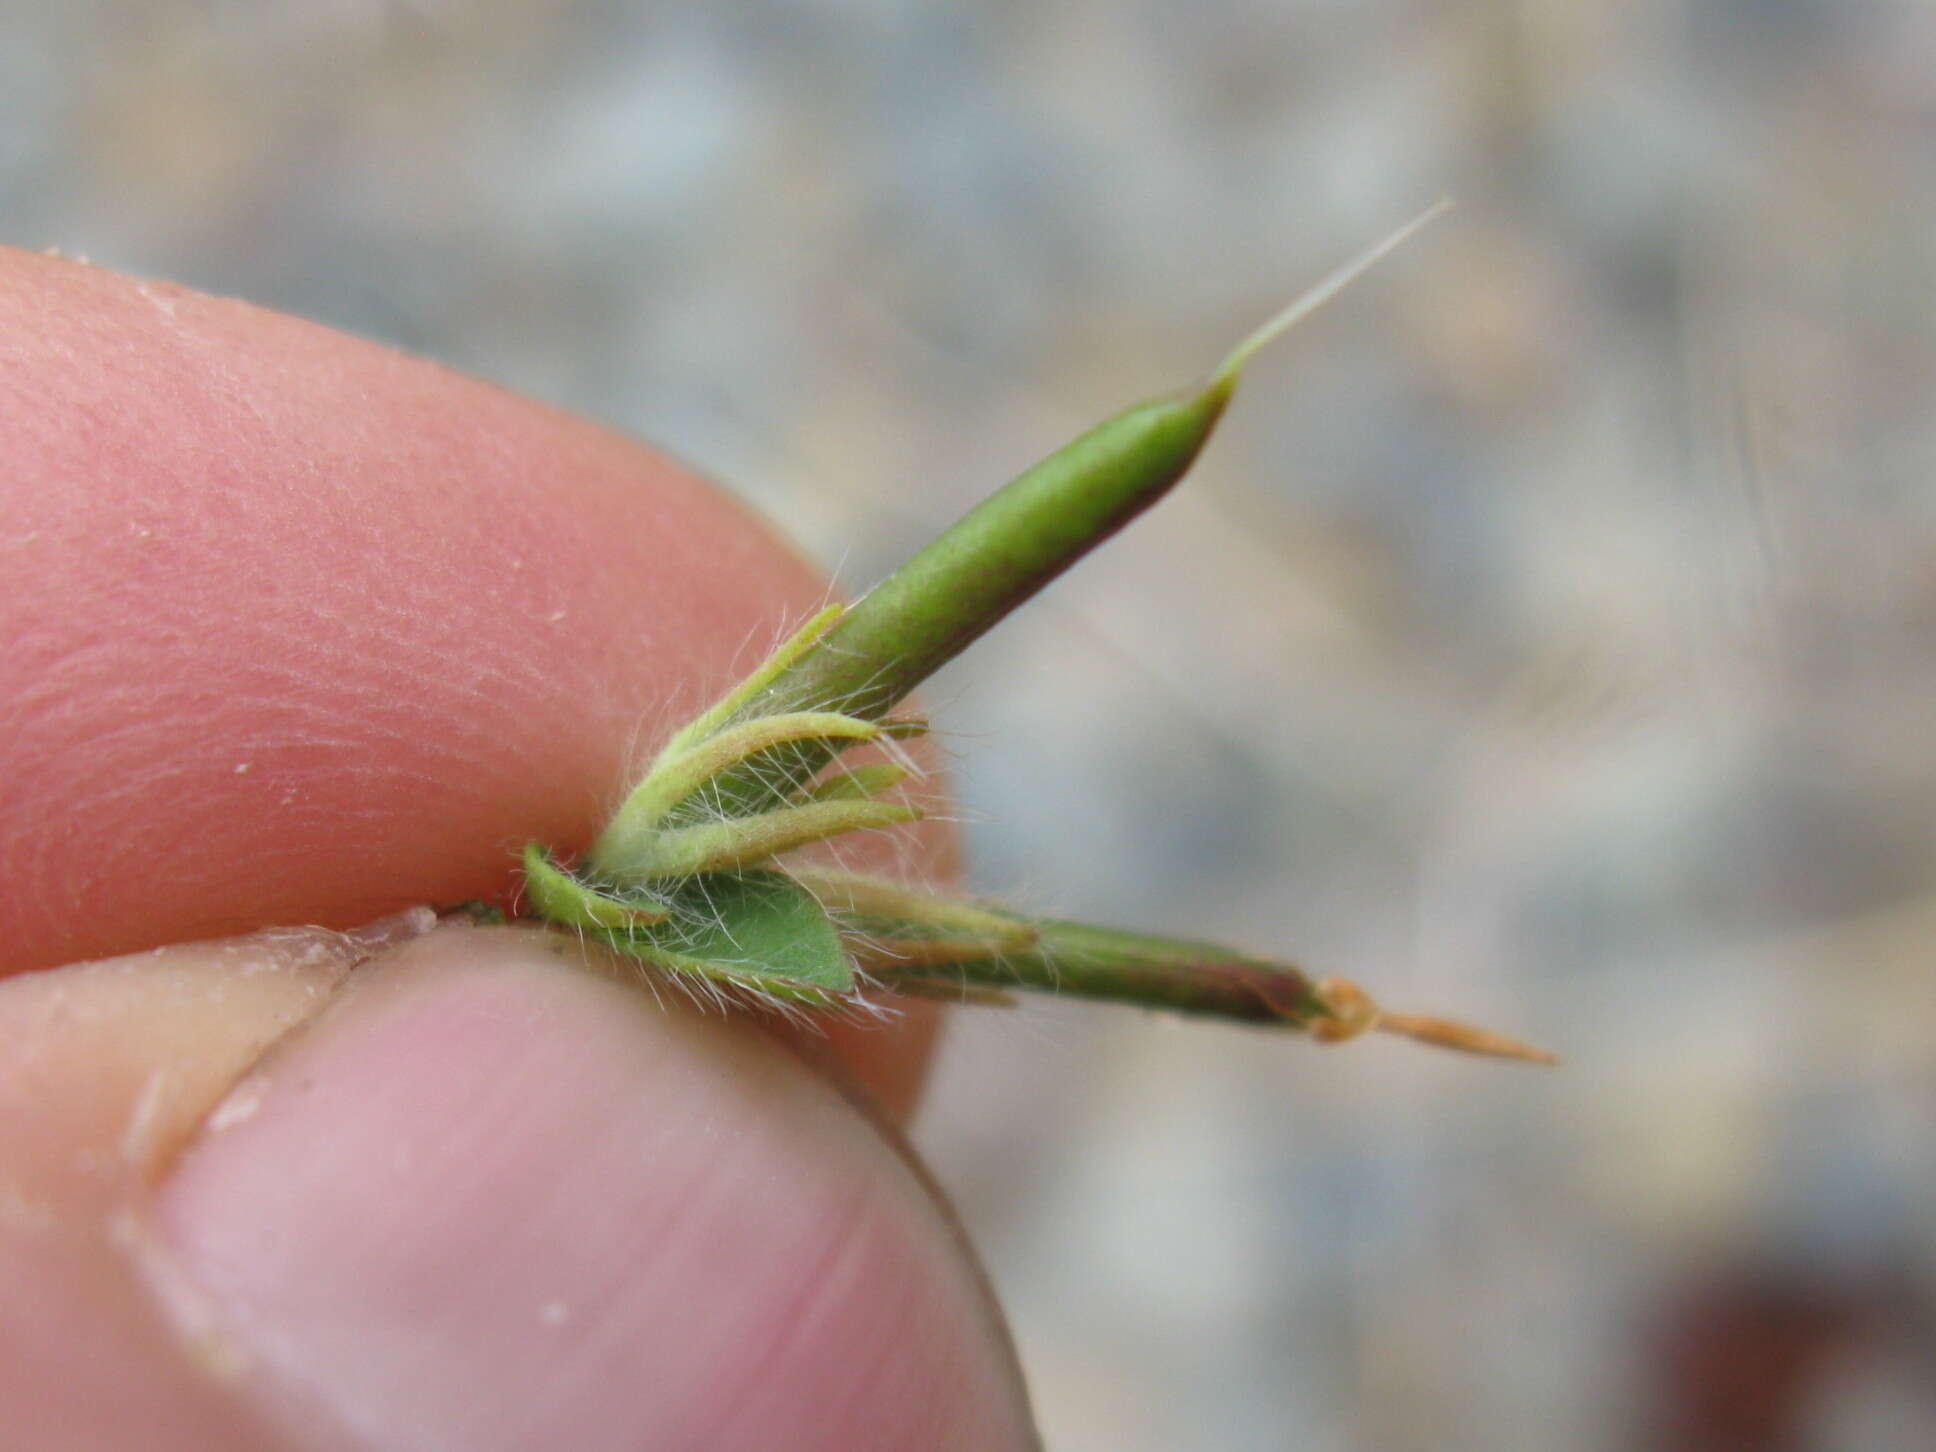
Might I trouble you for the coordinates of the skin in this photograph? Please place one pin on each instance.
(295, 630)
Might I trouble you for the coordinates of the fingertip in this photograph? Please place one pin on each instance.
(299, 629)
(489, 1201)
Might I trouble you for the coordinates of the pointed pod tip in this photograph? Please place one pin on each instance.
(1448, 1033)
(1348, 1012)
(1224, 379)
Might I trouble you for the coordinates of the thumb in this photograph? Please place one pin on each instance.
(471, 1197)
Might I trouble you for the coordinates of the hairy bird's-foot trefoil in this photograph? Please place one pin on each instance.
(692, 876)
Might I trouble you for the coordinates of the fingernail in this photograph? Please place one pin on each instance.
(491, 1200)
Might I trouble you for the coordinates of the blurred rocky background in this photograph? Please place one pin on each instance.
(1551, 635)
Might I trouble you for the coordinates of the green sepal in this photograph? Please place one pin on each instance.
(742, 842)
(560, 897)
(862, 784)
(895, 925)
(778, 663)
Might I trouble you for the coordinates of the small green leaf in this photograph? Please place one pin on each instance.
(760, 929)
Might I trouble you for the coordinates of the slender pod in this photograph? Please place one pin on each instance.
(903, 940)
